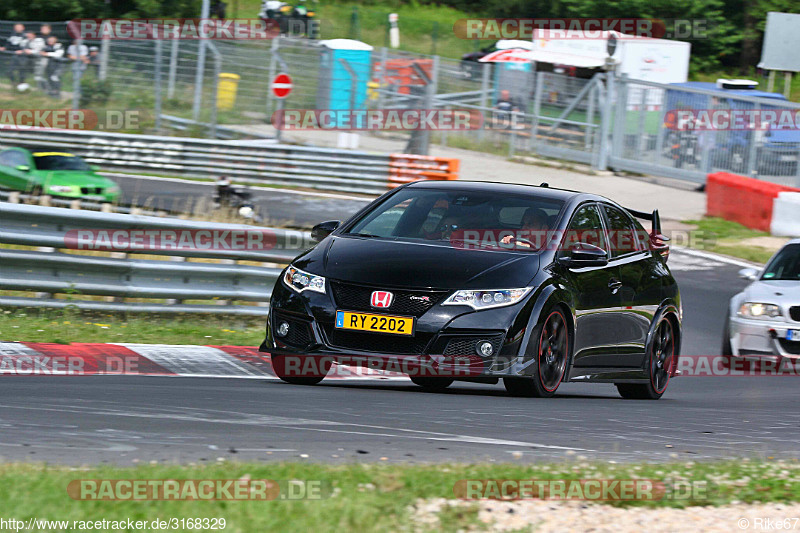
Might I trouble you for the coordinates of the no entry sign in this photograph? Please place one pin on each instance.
(281, 85)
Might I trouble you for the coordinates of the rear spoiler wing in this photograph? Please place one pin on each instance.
(658, 241)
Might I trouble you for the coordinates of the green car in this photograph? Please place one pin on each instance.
(54, 173)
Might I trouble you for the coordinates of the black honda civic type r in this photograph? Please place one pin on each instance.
(529, 284)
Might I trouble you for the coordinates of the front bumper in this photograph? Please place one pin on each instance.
(763, 338)
(445, 336)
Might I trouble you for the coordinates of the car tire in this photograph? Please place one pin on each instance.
(279, 368)
(552, 356)
(432, 384)
(660, 358)
(727, 349)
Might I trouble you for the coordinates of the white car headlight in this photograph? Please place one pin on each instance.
(301, 281)
(760, 311)
(63, 189)
(487, 299)
(114, 189)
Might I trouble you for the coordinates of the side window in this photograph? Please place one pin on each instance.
(620, 232)
(12, 158)
(585, 226)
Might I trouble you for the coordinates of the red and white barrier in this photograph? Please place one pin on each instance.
(786, 215)
(750, 202)
(88, 359)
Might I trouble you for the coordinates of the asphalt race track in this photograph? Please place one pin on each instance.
(125, 419)
(279, 207)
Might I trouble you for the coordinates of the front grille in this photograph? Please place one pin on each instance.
(794, 312)
(91, 190)
(793, 347)
(405, 302)
(299, 334)
(377, 343)
(467, 345)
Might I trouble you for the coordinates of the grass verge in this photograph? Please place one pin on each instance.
(726, 237)
(68, 325)
(368, 497)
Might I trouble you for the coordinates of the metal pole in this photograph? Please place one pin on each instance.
(429, 95)
(276, 58)
(157, 96)
(201, 64)
(217, 71)
(605, 121)
(537, 109)
(273, 58)
(105, 51)
(173, 69)
(486, 72)
(382, 88)
(752, 153)
(77, 67)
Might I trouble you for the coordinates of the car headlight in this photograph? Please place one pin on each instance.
(63, 189)
(760, 311)
(487, 299)
(301, 281)
(114, 189)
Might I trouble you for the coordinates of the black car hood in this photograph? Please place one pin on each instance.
(404, 264)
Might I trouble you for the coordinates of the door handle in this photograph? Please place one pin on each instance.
(615, 285)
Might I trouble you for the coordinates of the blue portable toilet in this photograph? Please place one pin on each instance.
(335, 87)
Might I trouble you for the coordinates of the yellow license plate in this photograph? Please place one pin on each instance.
(396, 325)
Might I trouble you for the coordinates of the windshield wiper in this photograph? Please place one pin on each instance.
(368, 235)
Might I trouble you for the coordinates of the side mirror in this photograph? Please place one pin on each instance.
(323, 229)
(750, 274)
(583, 254)
(23, 168)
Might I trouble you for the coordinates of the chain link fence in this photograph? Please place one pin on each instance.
(606, 121)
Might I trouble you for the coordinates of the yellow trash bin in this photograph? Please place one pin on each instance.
(226, 90)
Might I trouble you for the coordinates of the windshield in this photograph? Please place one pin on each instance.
(60, 162)
(462, 218)
(785, 266)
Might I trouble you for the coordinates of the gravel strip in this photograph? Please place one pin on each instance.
(556, 517)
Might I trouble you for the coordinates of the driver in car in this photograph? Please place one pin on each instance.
(534, 221)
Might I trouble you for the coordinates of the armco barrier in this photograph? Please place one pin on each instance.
(740, 199)
(405, 168)
(276, 164)
(49, 271)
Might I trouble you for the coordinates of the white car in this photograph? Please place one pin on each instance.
(764, 319)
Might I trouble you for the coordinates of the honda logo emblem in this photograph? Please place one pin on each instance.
(381, 299)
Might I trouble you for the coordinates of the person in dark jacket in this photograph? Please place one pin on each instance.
(53, 52)
(14, 45)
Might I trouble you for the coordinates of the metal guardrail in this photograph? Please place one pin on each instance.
(50, 271)
(322, 168)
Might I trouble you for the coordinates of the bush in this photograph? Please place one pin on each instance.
(94, 91)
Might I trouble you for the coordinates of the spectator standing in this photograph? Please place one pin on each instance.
(53, 54)
(94, 59)
(40, 61)
(14, 45)
(78, 53)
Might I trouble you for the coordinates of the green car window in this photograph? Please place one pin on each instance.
(61, 162)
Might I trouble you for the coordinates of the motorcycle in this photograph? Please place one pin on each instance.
(235, 198)
(288, 19)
